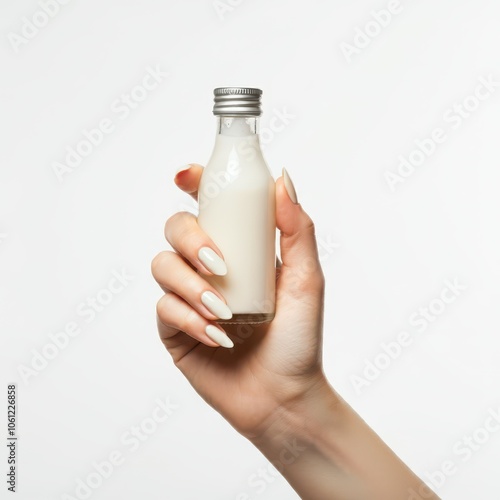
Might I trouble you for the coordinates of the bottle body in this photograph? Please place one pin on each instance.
(236, 200)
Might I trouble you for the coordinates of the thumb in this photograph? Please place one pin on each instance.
(299, 252)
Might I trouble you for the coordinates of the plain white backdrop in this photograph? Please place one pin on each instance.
(355, 104)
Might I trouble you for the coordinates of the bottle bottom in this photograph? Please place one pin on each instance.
(248, 319)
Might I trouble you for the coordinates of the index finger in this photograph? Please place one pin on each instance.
(188, 179)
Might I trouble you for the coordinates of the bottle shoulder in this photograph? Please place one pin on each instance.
(241, 155)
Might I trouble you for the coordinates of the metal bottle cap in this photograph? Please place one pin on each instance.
(237, 101)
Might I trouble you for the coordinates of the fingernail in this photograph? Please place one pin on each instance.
(219, 336)
(290, 188)
(215, 305)
(182, 169)
(212, 261)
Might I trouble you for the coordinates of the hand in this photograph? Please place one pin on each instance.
(270, 386)
(271, 365)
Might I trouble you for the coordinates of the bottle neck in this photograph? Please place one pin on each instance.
(237, 126)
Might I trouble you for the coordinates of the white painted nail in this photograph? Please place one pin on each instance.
(219, 336)
(181, 169)
(290, 188)
(215, 305)
(212, 261)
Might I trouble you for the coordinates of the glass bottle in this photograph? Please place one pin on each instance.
(236, 200)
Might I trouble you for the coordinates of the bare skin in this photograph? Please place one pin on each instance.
(270, 386)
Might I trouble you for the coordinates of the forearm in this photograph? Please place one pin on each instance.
(326, 451)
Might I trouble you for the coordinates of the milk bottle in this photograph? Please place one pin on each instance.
(236, 200)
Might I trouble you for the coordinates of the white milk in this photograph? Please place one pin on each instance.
(237, 210)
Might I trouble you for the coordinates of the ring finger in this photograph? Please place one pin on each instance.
(173, 273)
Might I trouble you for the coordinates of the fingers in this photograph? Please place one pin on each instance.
(173, 274)
(186, 237)
(299, 251)
(188, 179)
(174, 315)
(190, 304)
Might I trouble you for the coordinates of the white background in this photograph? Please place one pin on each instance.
(388, 253)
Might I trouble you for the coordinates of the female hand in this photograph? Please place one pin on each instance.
(270, 386)
(271, 365)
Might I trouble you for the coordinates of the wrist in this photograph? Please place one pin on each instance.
(301, 441)
(306, 417)
(317, 435)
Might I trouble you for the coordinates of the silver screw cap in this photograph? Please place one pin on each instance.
(237, 101)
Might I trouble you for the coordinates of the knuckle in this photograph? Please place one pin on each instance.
(192, 282)
(160, 262)
(188, 320)
(164, 307)
(179, 223)
(308, 225)
(318, 281)
(171, 222)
